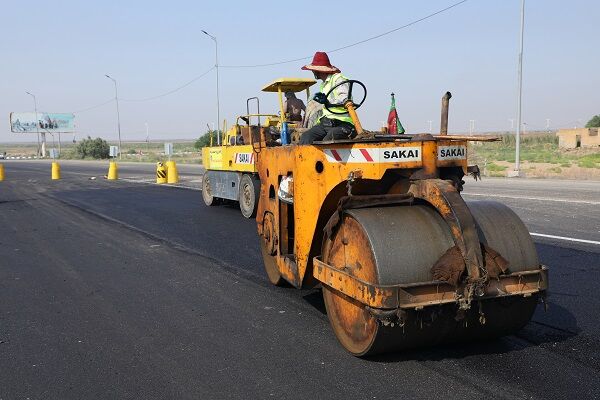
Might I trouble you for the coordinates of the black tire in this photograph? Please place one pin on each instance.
(207, 196)
(248, 196)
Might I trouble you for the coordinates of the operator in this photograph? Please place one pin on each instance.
(330, 125)
(293, 107)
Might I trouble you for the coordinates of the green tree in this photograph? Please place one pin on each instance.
(204, 140)
(594, 122)
(92, 148)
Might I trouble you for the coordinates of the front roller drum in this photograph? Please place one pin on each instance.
(398, 245)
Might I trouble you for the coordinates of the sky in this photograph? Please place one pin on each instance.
(61, 50)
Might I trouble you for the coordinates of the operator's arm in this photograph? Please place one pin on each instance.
(340, 94)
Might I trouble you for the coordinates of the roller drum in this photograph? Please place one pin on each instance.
(399, 245)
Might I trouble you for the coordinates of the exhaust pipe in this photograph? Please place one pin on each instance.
(445, 106)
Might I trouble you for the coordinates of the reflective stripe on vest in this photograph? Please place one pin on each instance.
(326, 86)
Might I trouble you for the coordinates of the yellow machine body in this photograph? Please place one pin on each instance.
(231, 172)
(320, 176)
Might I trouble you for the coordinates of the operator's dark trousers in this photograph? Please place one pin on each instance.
(328, 129)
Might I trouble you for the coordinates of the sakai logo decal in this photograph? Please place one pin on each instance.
(244, 158)
(374, 155)
(452, 152)
(401, 154)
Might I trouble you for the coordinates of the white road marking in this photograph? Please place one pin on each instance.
(564, 238)
(153, 182)
(596, 203)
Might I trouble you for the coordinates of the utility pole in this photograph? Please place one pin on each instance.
(118, 116)
(147, 139)
(520, 91)
(512, 123)
(471, 126)
(217, 69)
(430, 126)
(37, 126)
(547, 124)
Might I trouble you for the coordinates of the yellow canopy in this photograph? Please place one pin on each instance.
(289, 85)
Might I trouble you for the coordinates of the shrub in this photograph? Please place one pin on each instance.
(594, 122)
(92, 148)
(204, 140)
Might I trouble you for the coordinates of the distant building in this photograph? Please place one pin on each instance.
(580, 137)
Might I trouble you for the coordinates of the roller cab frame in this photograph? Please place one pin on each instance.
(378, 221)
(230, 164)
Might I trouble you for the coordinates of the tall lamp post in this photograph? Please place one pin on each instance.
(520, 86)
(147, 139)
(217, 68)
(118, 116)
(37, 124)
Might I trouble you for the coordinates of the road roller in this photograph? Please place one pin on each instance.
(230, 163)
(378, 222)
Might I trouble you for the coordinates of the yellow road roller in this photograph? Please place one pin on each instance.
(230, 164)
(379, 223)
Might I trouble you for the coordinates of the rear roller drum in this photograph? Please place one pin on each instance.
(398, 245)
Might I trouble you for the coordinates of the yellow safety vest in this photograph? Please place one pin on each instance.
(334, 97)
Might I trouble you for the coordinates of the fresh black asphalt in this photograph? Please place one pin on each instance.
(125, 290)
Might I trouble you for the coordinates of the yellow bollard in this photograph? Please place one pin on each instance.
(161, 173)
(113, 173)
(1, 172)
(55, 170)
(172, 174)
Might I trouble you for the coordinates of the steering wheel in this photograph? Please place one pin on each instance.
(350, 83)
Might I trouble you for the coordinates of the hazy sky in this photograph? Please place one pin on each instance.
(61, 50)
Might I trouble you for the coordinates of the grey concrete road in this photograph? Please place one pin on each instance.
(131, 290)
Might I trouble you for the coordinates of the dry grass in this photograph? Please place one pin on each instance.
(540, 158)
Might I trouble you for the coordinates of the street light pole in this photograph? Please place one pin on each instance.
(37, 124)
(118, 116)
(520, 90)
(217, 69)
(147, 139)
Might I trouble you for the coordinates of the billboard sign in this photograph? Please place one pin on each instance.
(25, 122)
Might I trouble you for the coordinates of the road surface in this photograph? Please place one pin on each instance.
(132, 290)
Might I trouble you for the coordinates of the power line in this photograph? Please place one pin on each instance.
(400, 27)
(148, 98)
(355, 43)
(278, 62)
(92, 107)
(173, 90)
